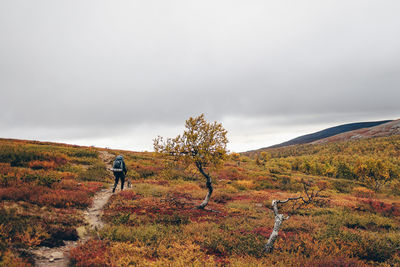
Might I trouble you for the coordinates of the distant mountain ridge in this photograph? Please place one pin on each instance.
(382, 130)
(329, 132)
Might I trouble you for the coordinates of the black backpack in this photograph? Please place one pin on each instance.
(118, 166)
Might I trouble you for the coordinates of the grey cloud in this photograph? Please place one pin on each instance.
(96, 68)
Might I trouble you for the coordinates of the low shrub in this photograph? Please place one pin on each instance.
(11, 258)
(375, 206)
(89, 254)
(363, 192)
(368, 221)
(147, 171)
(38, 165)
(336, 261)
(149, 234)
(375, 247)
(95, 172)
(149, 190)
(63, 199)
(343, 186)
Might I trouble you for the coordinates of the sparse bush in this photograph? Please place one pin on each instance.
(96, 172)
(363, 192)
(343, 186)
(150, 234)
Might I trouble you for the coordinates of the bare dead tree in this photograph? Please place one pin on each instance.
(297, 203)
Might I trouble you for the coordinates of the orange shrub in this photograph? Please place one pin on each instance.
(231, 174)
(91, 253)
(64, 195)
(385, 209)
(363, 192)
(91, 187)
(63, 198)
(9, 258)
(147, 171)
(129, 194)
(5, 168)
(38, 164)
(333, 261)
(19, 193)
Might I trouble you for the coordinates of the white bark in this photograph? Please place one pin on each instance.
(272, 238)
(279, 218)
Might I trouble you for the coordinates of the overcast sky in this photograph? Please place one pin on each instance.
(118, 73)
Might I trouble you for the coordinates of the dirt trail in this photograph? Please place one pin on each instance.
(58, 256)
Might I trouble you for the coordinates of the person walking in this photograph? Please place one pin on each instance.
(119, 170)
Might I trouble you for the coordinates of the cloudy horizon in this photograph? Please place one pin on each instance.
(117, 74)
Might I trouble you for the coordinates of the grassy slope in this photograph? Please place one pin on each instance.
(326, 133)
(155, 222)
(44, 187)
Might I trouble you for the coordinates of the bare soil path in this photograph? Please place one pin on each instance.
(58, 256)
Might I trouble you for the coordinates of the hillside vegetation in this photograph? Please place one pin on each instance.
(333, 131)
(43, 189)
(156, 222)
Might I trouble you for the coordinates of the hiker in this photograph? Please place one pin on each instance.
(119, 170)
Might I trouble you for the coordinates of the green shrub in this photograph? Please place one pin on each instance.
(343, 186)
(150, 234)
(375, 247)
(150, 190)
(226, 242)
(368, 221)
(96, 172)
(48, 179)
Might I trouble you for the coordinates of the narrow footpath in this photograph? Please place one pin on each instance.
(58, 256)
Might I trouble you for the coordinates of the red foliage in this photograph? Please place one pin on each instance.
(231, 174)
(69, 175)
(62, 198)
(240, 197)
(385, 209)
(263, 231)
(5, 168)
(17, 193)
(146, 171)
(65, 194)
(332, 262)
(57, 158)
(91, 187)
(91, 253)
(45, 165)
(129, 195)
(160, 209)
(151, 181)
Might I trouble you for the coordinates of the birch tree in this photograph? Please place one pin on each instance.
(296, 203)
(202, 144)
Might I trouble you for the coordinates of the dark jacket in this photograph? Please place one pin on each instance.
(124, 169)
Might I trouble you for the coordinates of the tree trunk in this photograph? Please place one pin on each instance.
(272, 238)
(208, 185)
(279, 218)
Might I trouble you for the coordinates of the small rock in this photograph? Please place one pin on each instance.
(81, 231)
(57, 255)
(51, 259)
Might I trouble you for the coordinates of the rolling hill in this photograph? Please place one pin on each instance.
(333, 131)
(382, 130)
(57, 207)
